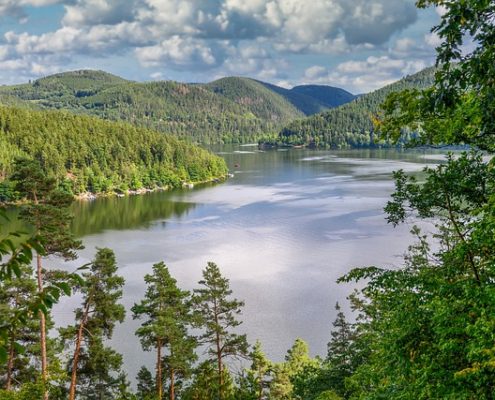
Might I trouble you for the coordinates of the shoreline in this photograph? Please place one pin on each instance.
(90, 196)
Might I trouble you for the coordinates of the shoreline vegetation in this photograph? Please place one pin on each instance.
(88, 196)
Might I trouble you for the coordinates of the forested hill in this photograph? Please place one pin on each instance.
(86, 153)
(255, 97)
(227, 110)
(312, 99)
(349, 125)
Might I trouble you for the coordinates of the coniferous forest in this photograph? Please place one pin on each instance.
(424, 329)
(87, 154)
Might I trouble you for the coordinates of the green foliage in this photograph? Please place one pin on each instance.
(254, 384)
(99, 368)
(281, 387)
(255, 98)
(428, 324)
(343, 357)
(48, 211)
(459, 108)
(28, 391)
(21, 331)
(88, 154)
(328, 395)
(218, 315)
(295, 378)
(350, 125)
(15, 254)
(146, 388)
(167, 317)
(184, 110)
(206, 384)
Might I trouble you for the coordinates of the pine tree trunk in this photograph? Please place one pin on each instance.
(220, 373)
(172, 384)
(10, 364)
(260, 387)
(77, 352)
(219, 357)
(159, 386)
(44, 360)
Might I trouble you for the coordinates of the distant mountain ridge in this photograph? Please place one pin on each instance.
(349, 125)
(313, 99)
(231, 109)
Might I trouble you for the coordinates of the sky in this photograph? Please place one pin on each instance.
(359, 45)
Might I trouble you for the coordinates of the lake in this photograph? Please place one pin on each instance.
(283, 230)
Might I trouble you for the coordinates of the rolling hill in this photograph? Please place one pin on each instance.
(227, 110)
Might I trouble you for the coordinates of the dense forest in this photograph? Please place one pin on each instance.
(89, 154)
(350, 125)
(229, 110)
(423, 330)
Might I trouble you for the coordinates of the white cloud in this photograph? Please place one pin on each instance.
(375, 21)
(364, 76)
(158, 76)
(178, 52)
(433, 40)
(241, 37)
(315, 72)
(291, 25)
(15, 8)
(95, 12)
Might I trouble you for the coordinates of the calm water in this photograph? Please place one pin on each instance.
(283, 229)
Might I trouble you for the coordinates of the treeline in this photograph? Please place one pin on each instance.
(87, 154)
(350, 125)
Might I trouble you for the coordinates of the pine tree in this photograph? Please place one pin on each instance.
(281, 387)
(167, 315)
(146, 385)
(218, 314)
(17, 295)
(95, 322)
(48, 213)
(340, 347)
(257, 380)
(341, 356)
(205, 385)
(302, 370)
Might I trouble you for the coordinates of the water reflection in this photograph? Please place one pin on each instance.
(114, 213)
